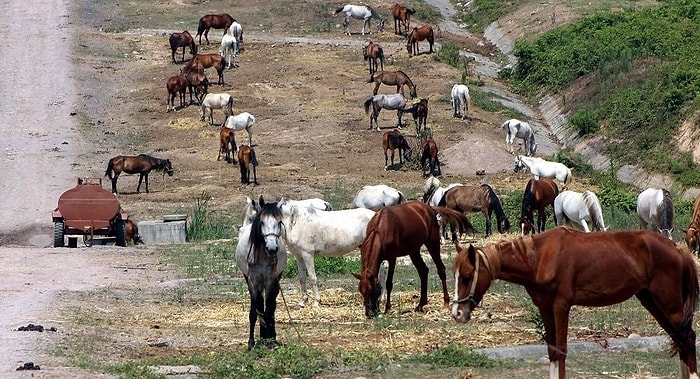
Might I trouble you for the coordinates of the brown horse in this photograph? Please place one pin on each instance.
(373, 53)
(132, 232)
(539, 194)
(176, 85)
(393, 78)
(477, 199)
(397, 231)
(424, 32)
(563, 267)
(246, 160)
(419, 111)
(429, 154)
(141, 164)
(182, 40)
(692, 234)
(213, 21)
(393, 140)
(402, 17)
(198, 83)
(227, 144)
(203, 61)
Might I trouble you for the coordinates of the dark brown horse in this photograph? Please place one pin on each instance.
(227, 144)
(482, 199)
(424, 32)
(182, 40)
(373, 53)
(176, 85)
(198, 83)
(562, 267)
(419, 111)
(429, 149)
(246, 162)
(402, 17)
(393, 78)
(141, 164)
(397, 231)
(393, 140)
(692, 234)
(203, 61)
(213, 21)
(539, 194)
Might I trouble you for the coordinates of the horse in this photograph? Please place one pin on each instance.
(198, 83)
(236, 31)
(132, 232)
(655, 207)
(480, 198)
(429, 149)
(251, 208)
(580, 208)
(393, 140)
(262, 257)
(398, 231)
(540, 168)
(175, 85)
(423, 32)
(692, 234)
(402, 17)
(393, 78)
(141, 164)
(562, 267)
(242, 121)
(460, 99)
(538, 195)
(360, 12)
(228, 50)
(516, 128)
(203, 61)
(373, 53)
(227, 144)
(433, 191)
(246, 160)
(223, 101)
(382, 101)
(213, 21)
(377, 196)
(183, 40)
(419, 111)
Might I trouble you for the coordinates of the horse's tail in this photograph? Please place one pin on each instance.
(411, 10)
(381, 55)
(253, 158)
(568, 178)
(368, 102)
(666, 210)
(497, 207)
(469, 102)
(200, 27)
(593, 205)
(402, 198)
(689, 293)
(528, 199)
(110, 166)
(454, 218)
(338, 11)
(229, 105)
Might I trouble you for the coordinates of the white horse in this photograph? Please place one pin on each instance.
(516, 128)
(433, 192)
(394, 101)
(655, 207)
(251, 208)
(461, 99)
(212, 101)
(241, 121)
(377, 196)
(236, 31)
(228, 50)
(360, 12)
(540, 168)
(580, 208)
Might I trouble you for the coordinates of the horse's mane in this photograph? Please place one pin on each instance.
(406, 76)
(528, 200)
(496, 204)
(665, 211)
(375, 14)
(593, 206)
(372, 235)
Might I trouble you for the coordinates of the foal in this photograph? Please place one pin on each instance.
(393, 140)
(402, 16)
(246, 160)
(373, 53)
(176, 85)
(429, 150)
(227, 144)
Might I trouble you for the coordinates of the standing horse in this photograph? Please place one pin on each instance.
(393, 140)
(516, 128)
(402, 17)
(429, 150)
(242, 121)
(131, 231)
(423, 32)
(213, 21)
(247, 161)
(580, 208)
(176, 85)
(382, 101)
(433, 191)
(692, 234)
(399, 231)
(468, 199)
(203, 61)
(227, 144)
(228, 50)
(223, 101)
(262, 257)
(460, 99)
(540, 168)
(198, 83)
(360, 12)
(538, 195)
(561, 268)
(419, 111)
(393, 78)
(182, 40)
(655, 207)
(377, 196)
(141, 164)
(236, 31)
(373, 53)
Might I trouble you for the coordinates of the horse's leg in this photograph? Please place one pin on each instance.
(311, 273)
(138, 188)
(554, 320)
(250, 136)
(252, 318)
(487, 217)
(422, 269)
(386, 159)
(301, 267)
(389, 283)
(392, 156)
(206, 36)
(541, 220)
(271, 292)
(433, 246)
(584, 225)
(399, 113)
(376, 87)
(255, 175)
(114, 182)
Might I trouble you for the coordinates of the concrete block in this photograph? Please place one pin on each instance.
(155, 232)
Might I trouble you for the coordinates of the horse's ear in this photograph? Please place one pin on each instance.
(471, 254)
(261, 201)
(357, 276)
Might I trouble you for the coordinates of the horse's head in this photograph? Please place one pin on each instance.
(526, 225)
(380, 25)
(473, 276)
(168, 167)
(371, 289)
(365, 50)
(691, 237)
(503, 225)
(267, 227)
(519, 165)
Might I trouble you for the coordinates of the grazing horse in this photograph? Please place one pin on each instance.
(419, 111)
(176, 84)
(246, 162)
(538, 195)
(382, 101)
(236, 31)
(213, 21)
(433, 191)
(228, 50)
(141, 164)
(429, 149)
(655, 207)
(377, 196)
(262, 257)
(203, 61)
(227, 144)
(399, 231)
(523, 130)
(242, 121)
(360, 12)
(540, 168)
(402, 17)
(373, 53)
(198, 83)
(223, 101)
(182, 40)
(393, 78)
(461, 99)
(562, 267)
(692, 234)
(480, 198)
(393, 140)
(580, 208)
(423, 32)
(132, 232)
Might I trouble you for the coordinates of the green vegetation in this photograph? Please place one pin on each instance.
(205, 224)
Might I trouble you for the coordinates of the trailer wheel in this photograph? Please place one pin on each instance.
(58, 229)
(120, 232)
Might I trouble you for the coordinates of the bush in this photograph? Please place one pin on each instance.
(585, 122)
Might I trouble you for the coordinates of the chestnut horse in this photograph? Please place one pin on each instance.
(373, 53)
(402, 17)
(227, 144)
(393, 78)
(562, 267)
(246, 162)
(182, 40)
(429, 149)
(692, 234)
(203, 61)
(423, 32)
(132, 232)
(393, 140)
(198, 83)
(397, 231)
(141, 164)
(176, 85)
(482, 199)
(213, 21)
(539, 194)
